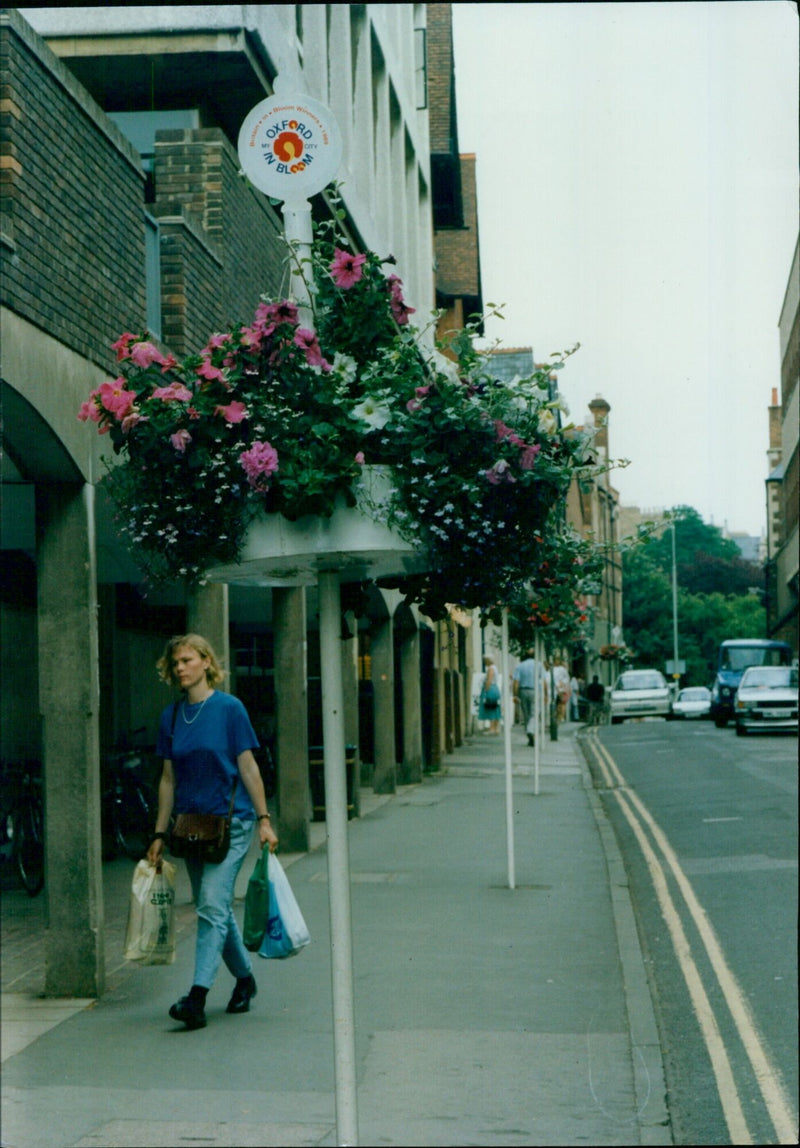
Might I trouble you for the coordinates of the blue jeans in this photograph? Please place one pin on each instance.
(218, 936)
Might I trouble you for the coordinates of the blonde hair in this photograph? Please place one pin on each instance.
(215, 674)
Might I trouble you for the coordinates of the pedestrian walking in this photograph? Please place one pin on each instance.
(489, 707)
(207, 742)
(524, 686)
(595, 694)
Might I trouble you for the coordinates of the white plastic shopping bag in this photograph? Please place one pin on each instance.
(150, 936)
(286, 932)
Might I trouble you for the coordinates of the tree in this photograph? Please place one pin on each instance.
(706, 563)
(704, 619)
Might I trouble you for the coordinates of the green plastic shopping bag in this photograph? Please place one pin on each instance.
(256, 904)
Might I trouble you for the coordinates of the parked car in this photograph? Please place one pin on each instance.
(767, 699)
(692, 702)
(735, 655)
(639, 693)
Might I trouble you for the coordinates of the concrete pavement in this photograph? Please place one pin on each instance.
(484, 1015)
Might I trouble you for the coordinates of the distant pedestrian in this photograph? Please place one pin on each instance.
(575, 699)
(489, 707)
(207, 743)
(595, 693)
(562, 688)
(525, 677)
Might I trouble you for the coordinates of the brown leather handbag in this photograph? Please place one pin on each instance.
(203, 836)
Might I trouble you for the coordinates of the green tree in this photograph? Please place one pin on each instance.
(704, 619)
(706, 563)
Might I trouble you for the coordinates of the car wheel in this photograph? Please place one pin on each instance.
(740, 730)
(616, 721)
(720, 722)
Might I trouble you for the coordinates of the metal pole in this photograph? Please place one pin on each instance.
(299, 232)
(508, 721)
(333, 733)
(675, 672)
(538, 706)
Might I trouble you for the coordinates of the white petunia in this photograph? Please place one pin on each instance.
(371, 411)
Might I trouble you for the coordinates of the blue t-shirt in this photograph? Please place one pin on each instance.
(208, 738)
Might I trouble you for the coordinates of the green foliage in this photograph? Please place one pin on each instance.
(704, 620)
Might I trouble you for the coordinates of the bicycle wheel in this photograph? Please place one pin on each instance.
(134, 817)
(30, 847)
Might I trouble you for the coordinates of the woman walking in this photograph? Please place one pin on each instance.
(489, 708)
(207, 743)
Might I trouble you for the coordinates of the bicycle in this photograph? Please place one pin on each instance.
(130, 800)
(23, 824)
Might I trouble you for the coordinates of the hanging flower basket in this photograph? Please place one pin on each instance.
(273, 423)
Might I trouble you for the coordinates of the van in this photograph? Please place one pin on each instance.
(735, 656)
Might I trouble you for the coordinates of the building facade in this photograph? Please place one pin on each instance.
(783, 492)
(123, 209)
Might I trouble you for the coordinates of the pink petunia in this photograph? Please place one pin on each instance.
(359, 457)
(528, 456)
(143, 354)
(122, 345)
(258, 463)
(346, 269)
(168, 363)
(131, 419)
(400, 309)
(500, 472)
(307, 342)
(180, 440)
(234, 412)
(211, 374)
(175, 392)
(115, 398)
(89, 411)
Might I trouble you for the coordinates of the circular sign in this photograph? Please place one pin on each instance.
(290, 147)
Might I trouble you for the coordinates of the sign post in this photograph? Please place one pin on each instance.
(290, 148)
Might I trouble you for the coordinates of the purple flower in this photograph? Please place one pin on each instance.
(180, 440)
(258, 463)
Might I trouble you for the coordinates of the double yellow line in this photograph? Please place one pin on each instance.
(767, 1076)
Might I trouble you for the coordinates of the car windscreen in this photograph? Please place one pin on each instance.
(738, 658)
(776, 677)
(694, 695)
(639, 681)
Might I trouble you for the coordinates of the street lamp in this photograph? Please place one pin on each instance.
(675, 667)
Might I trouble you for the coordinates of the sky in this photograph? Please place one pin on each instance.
(637, 169)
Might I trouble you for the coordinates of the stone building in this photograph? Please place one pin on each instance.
(122, 208)
(783, 495)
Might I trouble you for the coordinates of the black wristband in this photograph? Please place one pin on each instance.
(160, 836)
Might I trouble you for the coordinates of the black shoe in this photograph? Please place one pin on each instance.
(530, 739)
(188, 1011)
(246, 988)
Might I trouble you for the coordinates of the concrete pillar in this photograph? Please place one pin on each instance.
(412, 708)
(291, 718)
(382, 650)
(207, 615)
(350, 701)
(69, 694)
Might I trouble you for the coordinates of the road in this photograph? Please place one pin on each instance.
(707, 823)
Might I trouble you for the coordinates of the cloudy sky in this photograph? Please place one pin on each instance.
(638, 193)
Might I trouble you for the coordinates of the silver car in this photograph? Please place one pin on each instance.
(639, 693)
(766, 699)
(692, 702)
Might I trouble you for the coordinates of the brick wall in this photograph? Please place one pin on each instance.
(220, 246)
(71, 203)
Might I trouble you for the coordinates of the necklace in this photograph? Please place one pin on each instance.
(197, 715)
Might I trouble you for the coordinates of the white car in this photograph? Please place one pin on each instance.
(639, 693)
(766, 699)
(692, 702)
